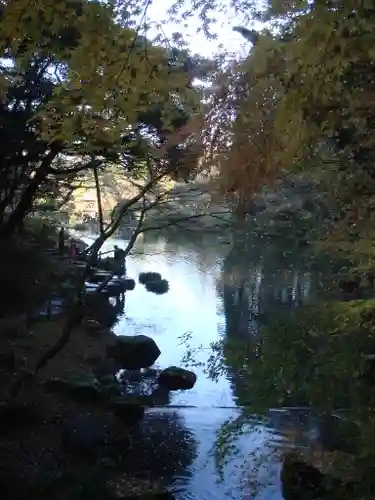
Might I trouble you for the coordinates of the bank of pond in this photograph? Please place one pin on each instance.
(123, 412)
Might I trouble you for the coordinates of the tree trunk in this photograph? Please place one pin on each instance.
(25, 203)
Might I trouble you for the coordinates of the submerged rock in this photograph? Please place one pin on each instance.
(174, 379)
(157, 286)
(144, 278)
(134, 352)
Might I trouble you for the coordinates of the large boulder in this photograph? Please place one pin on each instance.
(134, 352)
(148, 276)
(174, 379)
(157, 286)
(114, 288)
(129, 283)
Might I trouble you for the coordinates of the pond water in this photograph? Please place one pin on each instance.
(216, 294)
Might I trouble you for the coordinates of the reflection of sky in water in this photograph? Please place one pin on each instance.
(192, 306)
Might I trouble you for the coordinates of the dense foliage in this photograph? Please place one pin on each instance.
(302, 98)
(74, 101)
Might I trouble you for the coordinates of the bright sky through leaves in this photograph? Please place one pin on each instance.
(197, 42)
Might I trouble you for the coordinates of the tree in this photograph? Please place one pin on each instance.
(301, 98)
(64, 112)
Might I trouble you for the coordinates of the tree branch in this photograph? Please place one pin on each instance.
(93, 163)
(184, 219)
(129, 246)
(98, 199)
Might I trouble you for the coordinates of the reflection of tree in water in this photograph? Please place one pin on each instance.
(313, 357)
(160, 449)
(259, 280)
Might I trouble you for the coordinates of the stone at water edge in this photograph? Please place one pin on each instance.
(129, 284)
(114, 288)
(175, 378)
(157, 286)
(144, 278)
(125, 283)
(134, 352)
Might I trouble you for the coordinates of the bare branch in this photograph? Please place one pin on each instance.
(93, 163)
(185, 219)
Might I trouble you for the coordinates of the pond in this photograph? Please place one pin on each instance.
(218, 293)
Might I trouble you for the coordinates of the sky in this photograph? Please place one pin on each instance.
(197, 42)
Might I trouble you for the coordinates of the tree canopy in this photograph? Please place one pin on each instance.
(73, 101)
(303, 93)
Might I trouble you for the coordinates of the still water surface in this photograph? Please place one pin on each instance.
(211, 296)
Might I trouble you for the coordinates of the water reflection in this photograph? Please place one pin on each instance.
(257, 283)
(220, 294)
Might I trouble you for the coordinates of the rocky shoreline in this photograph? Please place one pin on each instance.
(90, 406)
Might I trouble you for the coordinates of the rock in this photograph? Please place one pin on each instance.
(114, 288)
(157, 286)
(160, 396)
(134, 352)
(129, 284)
(174, 379)
(144, 278)
(302, 481)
